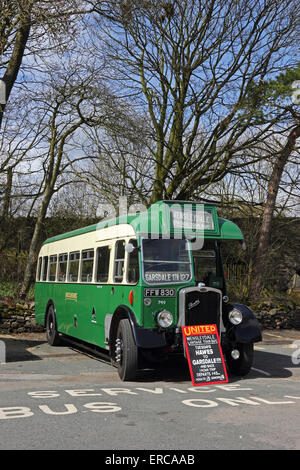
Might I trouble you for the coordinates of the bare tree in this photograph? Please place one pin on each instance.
(272, 99)
(29, 31)
(269, 208)
(120, 164)
(20, 143)
(245, 194)
(189, 64)
(64, 105)
(30, 27)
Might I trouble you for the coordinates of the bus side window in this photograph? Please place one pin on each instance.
(87, 265)
(103, 255)
(133, 264)
(119, 261)
(52, 269)
(39, 269)
(62, 267)
(45, 268)
(73, 266)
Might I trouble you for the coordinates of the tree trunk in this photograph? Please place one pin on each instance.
(56, 152)
(257, 281)
(16, 58)
(35, 244)
(7, 195)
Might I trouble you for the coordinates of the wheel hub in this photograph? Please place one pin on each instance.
(118, 350)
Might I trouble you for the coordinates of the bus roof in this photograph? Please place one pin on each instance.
(191, 219)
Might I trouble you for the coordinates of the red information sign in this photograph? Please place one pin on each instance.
(204, 354)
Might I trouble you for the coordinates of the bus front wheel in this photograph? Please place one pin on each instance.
(243, 364)
(126, 351)
(52, 334)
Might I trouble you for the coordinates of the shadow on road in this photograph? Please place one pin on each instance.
(266, 364)
(16, 350)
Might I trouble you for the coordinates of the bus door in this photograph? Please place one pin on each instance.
(74, 323)
(100, 301)
(117, 270)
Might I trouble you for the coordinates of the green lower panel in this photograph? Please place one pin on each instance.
(81, 308)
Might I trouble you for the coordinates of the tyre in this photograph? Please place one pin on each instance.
(126, 352)
(52, 334)
(243, 364)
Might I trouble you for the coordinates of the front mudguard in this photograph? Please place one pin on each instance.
(143, 337)
(248, 331)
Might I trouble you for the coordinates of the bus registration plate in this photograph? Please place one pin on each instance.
(159, 292)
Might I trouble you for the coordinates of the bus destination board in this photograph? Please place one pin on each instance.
(204, 354)
(188, 219)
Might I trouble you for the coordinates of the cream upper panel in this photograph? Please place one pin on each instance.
(87, 240)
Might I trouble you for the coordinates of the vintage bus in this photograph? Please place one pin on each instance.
(130, 283)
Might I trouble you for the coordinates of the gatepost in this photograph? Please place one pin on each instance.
(2, 352)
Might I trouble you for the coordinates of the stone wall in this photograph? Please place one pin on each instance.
(277, 319)
(18, 317)
(277, 314)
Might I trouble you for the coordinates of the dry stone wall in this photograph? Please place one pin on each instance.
(18, 317)
(280, 314)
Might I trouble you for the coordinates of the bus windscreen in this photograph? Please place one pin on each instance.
(166, 261)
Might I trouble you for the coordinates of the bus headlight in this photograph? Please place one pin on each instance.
(164, 319)
(235, 316)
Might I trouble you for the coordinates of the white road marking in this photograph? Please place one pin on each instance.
(275, 336)
(30, 377)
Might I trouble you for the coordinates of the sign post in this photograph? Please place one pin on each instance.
(204, 354)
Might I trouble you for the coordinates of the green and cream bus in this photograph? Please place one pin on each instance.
(130, 283)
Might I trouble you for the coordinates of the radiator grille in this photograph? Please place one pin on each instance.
(202, 308)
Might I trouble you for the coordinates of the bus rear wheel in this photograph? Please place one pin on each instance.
(126, 351)
(52, 334)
